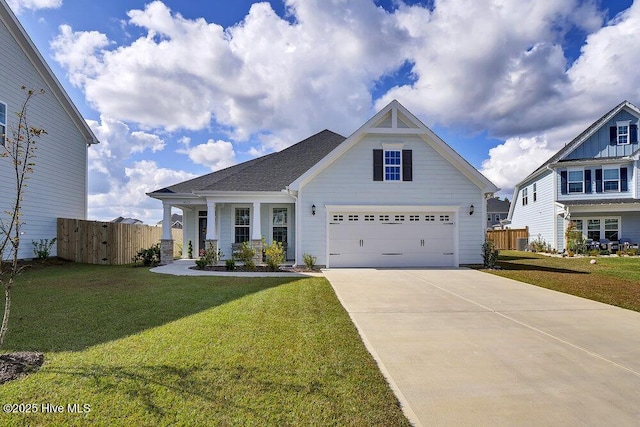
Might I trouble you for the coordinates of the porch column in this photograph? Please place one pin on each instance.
(211, 237)
(166, 242)
(256, 235)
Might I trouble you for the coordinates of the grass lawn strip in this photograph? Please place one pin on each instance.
(145, 349)
(612, 280)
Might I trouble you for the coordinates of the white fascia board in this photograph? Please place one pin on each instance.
(246, 196)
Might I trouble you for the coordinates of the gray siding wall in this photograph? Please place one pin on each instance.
(631, 177)
(349, 181)
(538, 215)
(58, 187)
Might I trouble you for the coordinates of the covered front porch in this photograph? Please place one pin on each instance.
(603, 223)
(226, 221)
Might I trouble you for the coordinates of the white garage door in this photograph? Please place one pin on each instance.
(391, 239)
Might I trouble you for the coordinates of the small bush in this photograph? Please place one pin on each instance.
(245, 254)
(150, 257)
(190, 250)
(275, 255)
(539, 245)
(209, 256)
(309, 261)
(42, 248)
(489, 254)
(230, 265)
(575, 240)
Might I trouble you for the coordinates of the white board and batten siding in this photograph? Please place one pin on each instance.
(58, 186)
(539, 215)
(346, 186)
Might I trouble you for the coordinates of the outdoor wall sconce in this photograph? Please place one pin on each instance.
(471, 209)
(313, 209)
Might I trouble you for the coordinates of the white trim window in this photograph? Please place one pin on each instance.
(535, 192)
(242, 225)
(599, 228)
(3, 123)
(280, 225)
(611, 180)
(622, 134)
(393, 165)
(575, 181)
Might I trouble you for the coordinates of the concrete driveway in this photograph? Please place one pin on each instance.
(462, 347)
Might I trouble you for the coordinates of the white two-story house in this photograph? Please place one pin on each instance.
(592, 181)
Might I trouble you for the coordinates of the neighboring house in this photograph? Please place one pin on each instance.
(58, 186)
(391, 194)
(176, 221)
(592, 181)
(122, 220)
(497, 210)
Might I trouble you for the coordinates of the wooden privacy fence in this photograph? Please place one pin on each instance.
(95, 242)
(508, 239)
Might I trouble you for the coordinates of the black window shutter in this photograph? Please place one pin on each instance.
(598, 180)
(407, 165)
(377, 165)
(623, 179)
(613, 135)
(633, 134)
(563, 182)
(587, 181)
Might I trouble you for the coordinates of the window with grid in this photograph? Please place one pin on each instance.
(593, 229)
(611, 179)
(623, 134)
(611, 228)
(280, 223)
(576, 181)
(242, 225)
(392, 165)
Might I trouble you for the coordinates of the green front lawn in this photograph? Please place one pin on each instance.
(612, 280)
(146, 349)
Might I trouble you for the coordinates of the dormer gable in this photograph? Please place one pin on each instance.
(614, 135)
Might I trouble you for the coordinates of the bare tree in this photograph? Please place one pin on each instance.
(19, 149)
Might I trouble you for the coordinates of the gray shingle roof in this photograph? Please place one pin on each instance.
(273, 172)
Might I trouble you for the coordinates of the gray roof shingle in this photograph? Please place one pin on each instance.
(273, 172)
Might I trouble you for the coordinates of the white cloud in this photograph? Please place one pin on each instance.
(508, 163)
(19, 5)
(213, 154)
(127, 196)
(117, 186)
(496, 66)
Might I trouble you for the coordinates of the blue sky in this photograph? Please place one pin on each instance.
(174, 89)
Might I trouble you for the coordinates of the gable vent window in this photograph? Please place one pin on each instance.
(623, 133)
(3, 123)
(392, 165)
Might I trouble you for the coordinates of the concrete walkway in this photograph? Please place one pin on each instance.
(461, 347)
(182, 267)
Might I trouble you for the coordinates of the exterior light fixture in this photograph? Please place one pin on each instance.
(313, 209)
(471, 209)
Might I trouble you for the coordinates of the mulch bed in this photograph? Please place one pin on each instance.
(15, 365)
(257, 269)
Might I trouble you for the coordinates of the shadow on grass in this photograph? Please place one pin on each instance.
(72, 307)
(505, 265)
